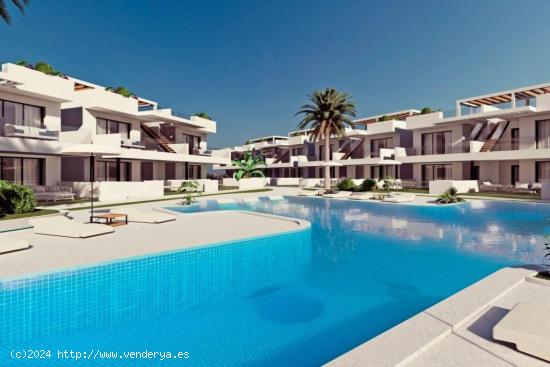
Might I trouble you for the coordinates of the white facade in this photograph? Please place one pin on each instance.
(40, 115)
(497, 139)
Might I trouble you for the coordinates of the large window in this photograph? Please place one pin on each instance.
(377, 144)
(26, 171)
(21, 114)
(543, 134)
(322, 152)
(194, 172)
(105, 126)
(431, 172)
(113, 171)
(193, 141)
(437, 143)
(543, 171)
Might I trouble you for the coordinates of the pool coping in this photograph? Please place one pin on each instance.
(404, 342)
(302, 225)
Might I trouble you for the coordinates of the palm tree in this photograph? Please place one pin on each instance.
(5, 15)
(249, 166)
(327, 115)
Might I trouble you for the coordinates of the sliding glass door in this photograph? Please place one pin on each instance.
(26, 171)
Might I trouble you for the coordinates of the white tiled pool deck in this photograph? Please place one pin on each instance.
(136, 239)
(457, 331)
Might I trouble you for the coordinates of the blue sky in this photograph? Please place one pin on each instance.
(251, 64)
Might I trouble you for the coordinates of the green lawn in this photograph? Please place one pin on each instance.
(35, 213)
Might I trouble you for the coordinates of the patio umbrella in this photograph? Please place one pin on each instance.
(92, 151)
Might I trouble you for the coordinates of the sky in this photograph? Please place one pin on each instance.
(252, 64)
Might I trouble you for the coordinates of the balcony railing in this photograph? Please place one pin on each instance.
(18, 131)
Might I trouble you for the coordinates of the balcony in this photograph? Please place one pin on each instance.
(18, 131)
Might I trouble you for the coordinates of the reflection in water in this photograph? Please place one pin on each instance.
(511, 230)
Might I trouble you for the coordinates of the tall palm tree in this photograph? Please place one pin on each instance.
(327, 115)
(5, 15)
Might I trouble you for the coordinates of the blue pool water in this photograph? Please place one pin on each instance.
(297, 299)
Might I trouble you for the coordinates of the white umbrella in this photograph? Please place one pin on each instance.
(92, 151)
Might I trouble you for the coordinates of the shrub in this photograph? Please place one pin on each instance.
(384, 118)
(346, 184)
(368, 184)
(449, 197)
(16, 199)
(425, 110)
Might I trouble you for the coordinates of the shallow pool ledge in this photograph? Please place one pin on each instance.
(52, 253)
(402, 344)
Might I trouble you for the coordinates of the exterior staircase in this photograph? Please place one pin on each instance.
(495, 136)
(349, 147)
(280, 154)
(160, 139)
(476, 132)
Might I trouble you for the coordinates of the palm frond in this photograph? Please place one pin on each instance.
(4, 13)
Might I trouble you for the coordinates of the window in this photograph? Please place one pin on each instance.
(543, 171)
(105, 126)
(22, 114)
(194, 172)
(431, 172)
(543, 134)
(322, 152)
(437, 143)
(113, 171)
(377, 144)
(193, 141)
(26, 171)
(381, 172)
(297, 151)
(514, 136)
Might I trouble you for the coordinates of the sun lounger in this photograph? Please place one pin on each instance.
(528, 327)
(11, 244)
(338, 195)
(309, 193)
(401, 198)
(361, 196)
(64, 227)
(143, 216)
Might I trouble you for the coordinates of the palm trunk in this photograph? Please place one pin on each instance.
(327, 159)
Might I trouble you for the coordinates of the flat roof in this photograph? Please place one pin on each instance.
(398, 115)
(50, 253)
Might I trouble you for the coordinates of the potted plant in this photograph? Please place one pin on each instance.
(188, 187)
(249, 172)
(449, 197)
(543, 276)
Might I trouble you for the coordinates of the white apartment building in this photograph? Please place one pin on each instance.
(40, 115)
(502, 138)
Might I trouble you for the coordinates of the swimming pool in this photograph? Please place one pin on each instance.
(298, 299)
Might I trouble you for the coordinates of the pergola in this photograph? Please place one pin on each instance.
(510, 96)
